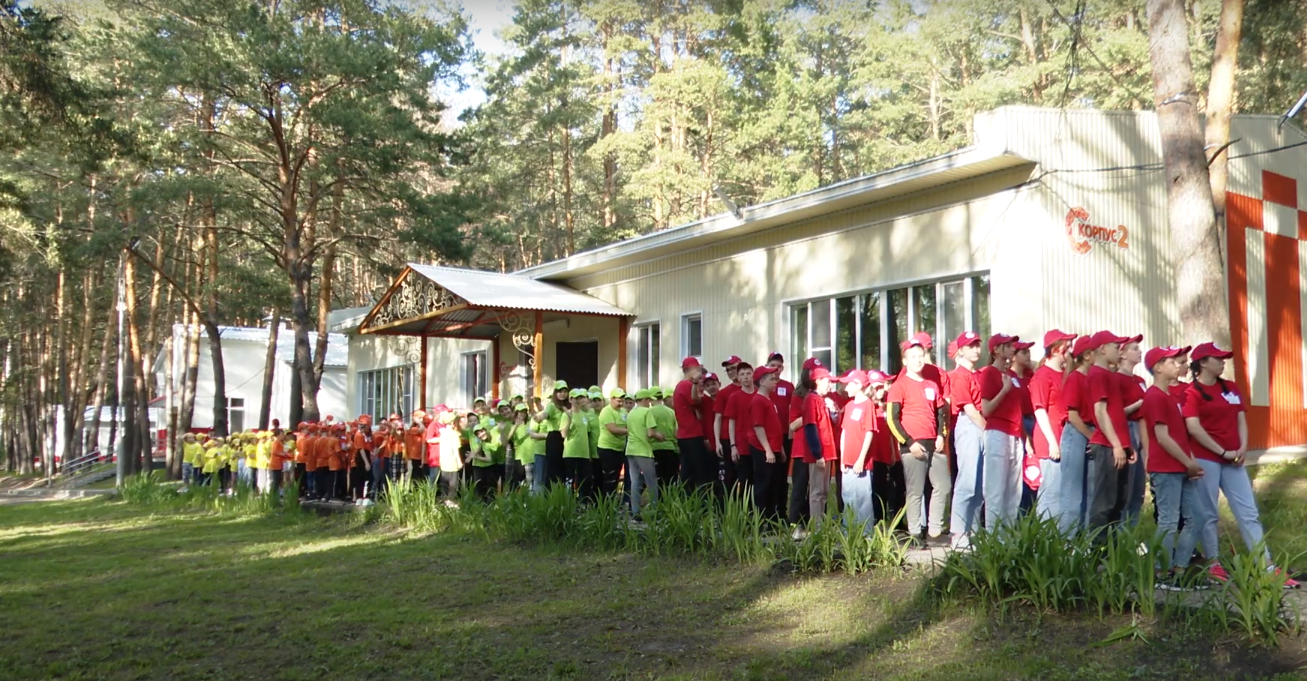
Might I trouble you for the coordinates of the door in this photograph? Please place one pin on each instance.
(578, 363)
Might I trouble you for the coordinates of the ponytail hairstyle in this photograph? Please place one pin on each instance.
(1195, 368)
(1059, 346)
(1076, 363)
(806, 384)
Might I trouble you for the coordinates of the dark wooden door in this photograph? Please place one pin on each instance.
(578, 363)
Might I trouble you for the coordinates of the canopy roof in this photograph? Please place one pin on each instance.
(452, 302)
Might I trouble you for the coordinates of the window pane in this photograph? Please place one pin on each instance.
(694, 336)
(823, 355)
(820, 324)
(869, 342)
(799, 327)
(923, 298)
(846, 331)
(954, 307)
(980, 304)
(655, 343)
(897, 310)
(642, 356)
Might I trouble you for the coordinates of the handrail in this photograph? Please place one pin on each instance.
(79, 464)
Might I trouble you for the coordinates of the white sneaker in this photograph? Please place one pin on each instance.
(800, 534)
(961, 542)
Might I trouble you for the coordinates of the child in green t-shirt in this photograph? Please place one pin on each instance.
(576, 444)
(487, 450)
(666, 459)
(611, 443)
(641, 435)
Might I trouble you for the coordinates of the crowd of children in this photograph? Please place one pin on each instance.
(1077, 437)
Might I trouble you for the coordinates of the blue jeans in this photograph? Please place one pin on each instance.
(188, 473)
(1136, 479)
(1233, 481)
(641, 470)
(1174, 495)
(1048, 504)
(859, 505)
(968, 441)
(1002, 478)
(538, 474)
(1072, 504)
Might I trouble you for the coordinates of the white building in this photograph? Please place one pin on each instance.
(244, 352)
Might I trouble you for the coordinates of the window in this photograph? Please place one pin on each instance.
(235, 414)
(692, 335)
(475, 376)
(646, 354)
(386, 391)
(863, 331)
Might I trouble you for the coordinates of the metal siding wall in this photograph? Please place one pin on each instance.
(743, 297)
(1127, 290)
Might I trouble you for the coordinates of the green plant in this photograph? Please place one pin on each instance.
(1254, 594)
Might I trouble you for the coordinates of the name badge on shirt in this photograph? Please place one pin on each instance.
(857, 414)
(1016, 383)
(1232, 398)
(781, 391)
(930, 393)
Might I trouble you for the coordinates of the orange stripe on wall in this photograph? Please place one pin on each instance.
(1279, 189)
(1284, 333)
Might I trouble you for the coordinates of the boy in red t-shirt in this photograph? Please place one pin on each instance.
(1004, 449)
(698, 465)
(814, 436)
(1172, 468)
(767, 444)
(968, 439)
(918, 417)
(1109, 448)
(737, 424)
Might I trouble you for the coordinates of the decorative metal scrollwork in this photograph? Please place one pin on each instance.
(410, 347)
(522, 331)
(415, 297)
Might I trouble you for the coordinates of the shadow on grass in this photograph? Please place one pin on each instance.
(192, 595)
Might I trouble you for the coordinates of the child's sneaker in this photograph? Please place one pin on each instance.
(1289, 582)
(1218, 573)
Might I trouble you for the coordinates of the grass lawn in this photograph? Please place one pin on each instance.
(95, 589)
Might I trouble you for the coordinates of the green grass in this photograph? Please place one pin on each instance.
(96, 589)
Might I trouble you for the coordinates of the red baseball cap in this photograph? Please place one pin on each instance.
(1133, 339)
(731, 361)
(911, 342)
(1081, 346)
(819, 372)
(923, 339)
(854, 376)
(1152, 357)
(690, 363)
(966, 338)
(1055, 336)
(812, 363)
(1102, 338)
(775, 355)
(952, 348)
(1001, 339)
(1204, 350)
(1023, 345)
(877, 376)
(763, 371)
(710, 376)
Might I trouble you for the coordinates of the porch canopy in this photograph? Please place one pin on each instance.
(451, 302)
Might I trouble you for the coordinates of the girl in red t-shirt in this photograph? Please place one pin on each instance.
(1074, 447)
(815, 437)
(918, 417)
(1218, 429)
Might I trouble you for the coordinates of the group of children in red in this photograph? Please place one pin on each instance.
(1076, 438)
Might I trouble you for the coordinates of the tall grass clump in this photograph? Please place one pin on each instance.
(1254, 599)
(147, 489)
(742, 531)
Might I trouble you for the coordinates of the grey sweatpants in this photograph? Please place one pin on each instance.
(641, 470)
(915, 473)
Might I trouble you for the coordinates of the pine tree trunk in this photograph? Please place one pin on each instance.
(269, 370)
(1220, 103)
(1199, 275)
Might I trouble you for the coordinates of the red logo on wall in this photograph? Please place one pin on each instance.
(1084, 236)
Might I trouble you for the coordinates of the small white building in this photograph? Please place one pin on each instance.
(244, 352)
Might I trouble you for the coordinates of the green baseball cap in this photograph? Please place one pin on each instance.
(617, 392)
(520, 407)
(560, 385)
(578, 392)
(643, 394)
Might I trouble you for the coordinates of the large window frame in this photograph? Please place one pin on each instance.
(648, 351)
(689, 322)
(386, 391)
(235, 414)
(862, 328)
(474, 375)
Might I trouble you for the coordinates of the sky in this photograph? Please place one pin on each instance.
(485, 18)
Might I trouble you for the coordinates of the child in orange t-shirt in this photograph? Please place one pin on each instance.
(413, 447)
(380, 458)
(359, 460)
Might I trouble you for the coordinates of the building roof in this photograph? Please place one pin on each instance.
(499, 290)
(918, 176)
(337, 343)
(346, 318)
(337, 347)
